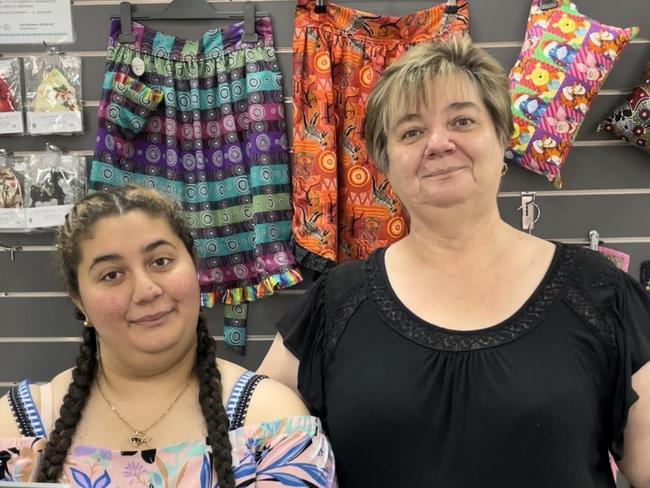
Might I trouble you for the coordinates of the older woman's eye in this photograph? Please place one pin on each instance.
(411, 133)
(463, 122)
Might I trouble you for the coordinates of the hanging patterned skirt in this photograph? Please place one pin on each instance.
(203, 123)
(343, 207)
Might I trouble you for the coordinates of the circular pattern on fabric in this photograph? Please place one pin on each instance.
(107, 173)
(190, 192)
(229, 123)
(216, 275)
(257, 112)
(152, 170)
(109, 142)
(322, 63)
(155, 138)
(189, 162)
(232, 137)
(235, 154)
(152, 154)
(167, 190)
(255, 97)
(241, 184)
(213, 129)
(266, 174)
(247, 212)
(232, 245)
(226, 109)
(184, 101)
(396, 227)
(148, 182)
(244, 121)
(170, 174)
(274, 232)
(237, 90)
(154, 124)
(280, 258)
(240, 271)
(263, 142)
(327, 161)
(207, 220)
(358, 176)
(186, 131)
(170, 127)
(113, 112)
(217, 158)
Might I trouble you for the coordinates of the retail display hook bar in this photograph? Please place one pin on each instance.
(189, 10)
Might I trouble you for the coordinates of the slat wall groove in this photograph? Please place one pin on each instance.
(606, 182)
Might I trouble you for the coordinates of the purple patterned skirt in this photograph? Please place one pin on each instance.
(203, 123)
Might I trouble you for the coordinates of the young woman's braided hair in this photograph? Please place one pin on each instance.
(78, 226)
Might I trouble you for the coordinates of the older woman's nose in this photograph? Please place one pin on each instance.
(439, 142)
(145, 289)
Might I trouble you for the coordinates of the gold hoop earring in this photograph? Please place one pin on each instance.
(504, 169)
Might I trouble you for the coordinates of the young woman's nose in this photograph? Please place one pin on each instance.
(145, 289)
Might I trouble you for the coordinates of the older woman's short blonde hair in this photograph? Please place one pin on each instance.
(407, 82)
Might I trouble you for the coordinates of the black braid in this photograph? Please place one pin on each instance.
(74, 402)
(212, 406)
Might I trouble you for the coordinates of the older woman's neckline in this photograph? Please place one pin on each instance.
(433, 336)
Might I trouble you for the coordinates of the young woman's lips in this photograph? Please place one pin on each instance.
(153, 319)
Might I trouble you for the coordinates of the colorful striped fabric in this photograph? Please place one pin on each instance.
(203, 123)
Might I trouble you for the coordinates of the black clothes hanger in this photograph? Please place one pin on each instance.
(190, 10)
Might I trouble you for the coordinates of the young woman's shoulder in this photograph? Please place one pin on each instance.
(271, 399)
(59, 387)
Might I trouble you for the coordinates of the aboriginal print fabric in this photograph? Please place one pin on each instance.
(203, 123)
(343, 207)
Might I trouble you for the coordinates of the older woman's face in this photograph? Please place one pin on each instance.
(445, 152)
(138, 286)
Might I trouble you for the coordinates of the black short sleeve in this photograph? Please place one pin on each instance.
(302, 331)
(633, 308)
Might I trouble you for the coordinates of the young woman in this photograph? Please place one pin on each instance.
(148, 404)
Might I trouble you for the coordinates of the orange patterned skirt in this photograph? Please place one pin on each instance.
(343, 207)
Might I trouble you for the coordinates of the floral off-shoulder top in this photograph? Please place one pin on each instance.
(290, 451)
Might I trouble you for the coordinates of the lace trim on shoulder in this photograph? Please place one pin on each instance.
(598, 315)
(428, 335)
(338, 314)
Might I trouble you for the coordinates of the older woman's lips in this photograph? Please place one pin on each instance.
(444, 171)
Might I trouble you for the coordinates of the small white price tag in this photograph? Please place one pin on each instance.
(50, 216)
(54, 122)
(12, 218)
(137, 65)
(11, 123)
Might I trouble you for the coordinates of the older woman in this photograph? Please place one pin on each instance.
(469, 354)
(148, 404)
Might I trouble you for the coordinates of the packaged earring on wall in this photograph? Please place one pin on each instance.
(12, 192)
(56, 182)
(11, 101)
(53, 94)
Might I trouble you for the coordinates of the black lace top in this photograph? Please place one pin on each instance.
(536, 401)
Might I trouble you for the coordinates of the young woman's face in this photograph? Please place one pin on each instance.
(138, 286)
